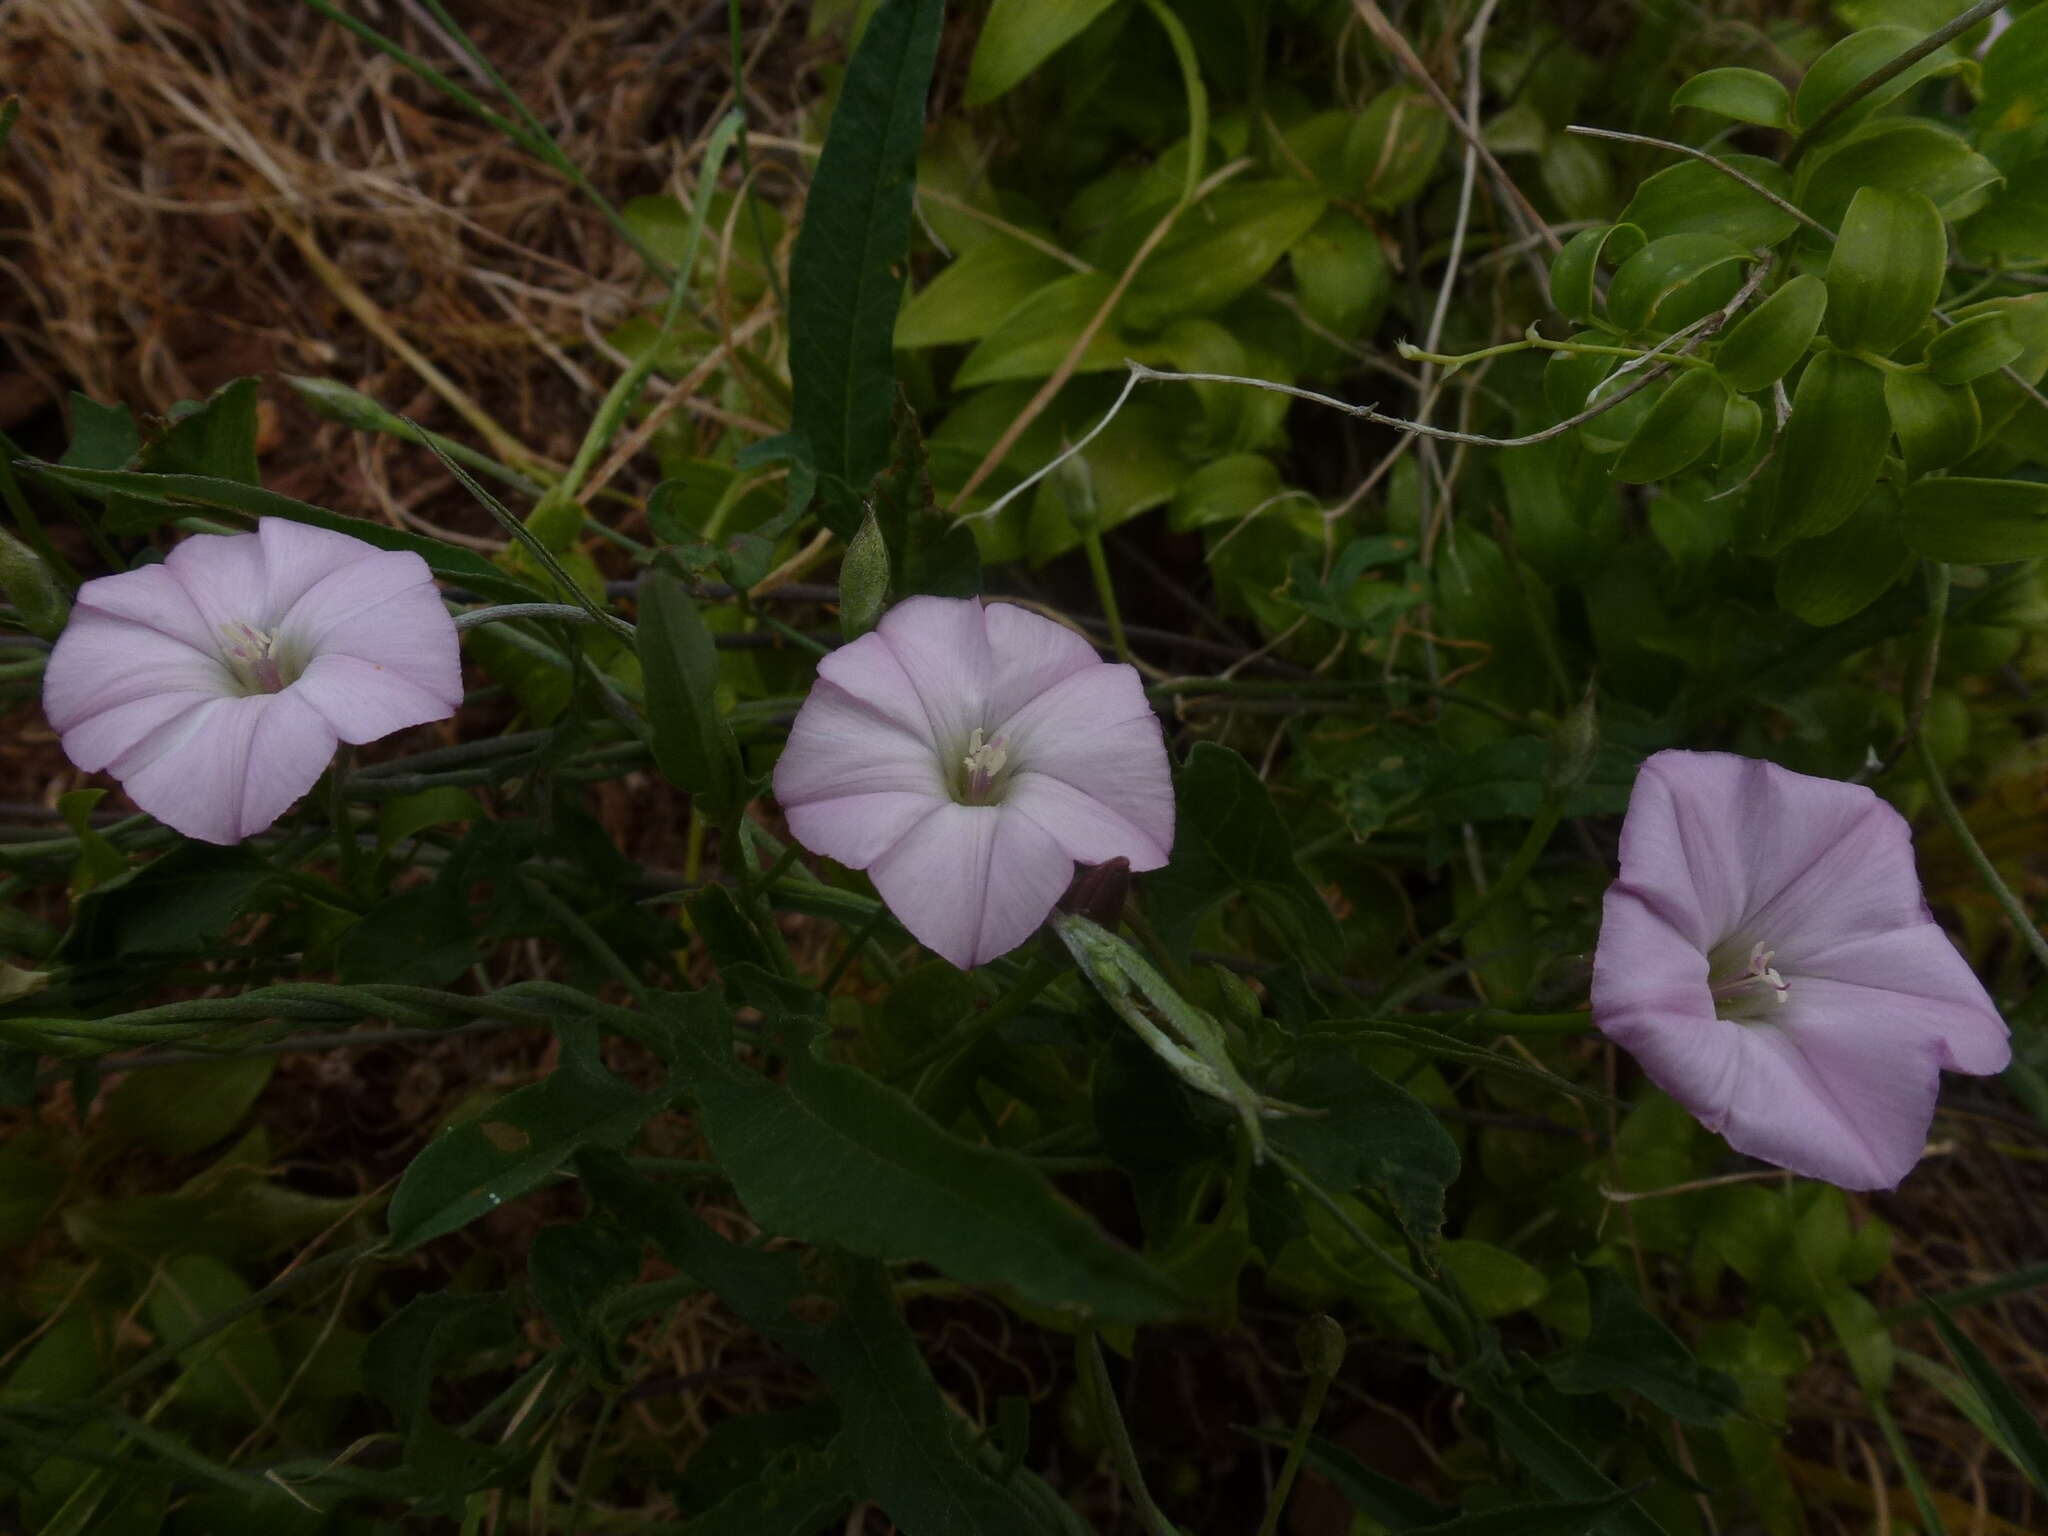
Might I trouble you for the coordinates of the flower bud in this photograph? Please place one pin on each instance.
(1073, 484)
(1573, 745)
(863, 580)
(1321, 1342)
(27, 583)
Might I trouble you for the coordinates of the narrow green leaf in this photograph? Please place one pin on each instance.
(1885, 272)
(1220, 248)
(1035, 337)
(1766, 343)
(1683, 424)
(515, 1144)
(1747, 95)
(1936, 423)
(693, 744)
(1856, 56)
(845, 272)
(832, 1156)
(2020, 1434)
(1020, 35)
(1977, 522)
(233, 1373)
(1907, 154)
(1832, 448)
(176, 493)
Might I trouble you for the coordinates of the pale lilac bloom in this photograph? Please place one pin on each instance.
(216, 685)
(1767, 957)
(967, 758)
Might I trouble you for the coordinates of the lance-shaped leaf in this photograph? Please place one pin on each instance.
(693, 744)
(1833, 445)
(1977, 522)
(832, 1156)
(1765, 343)
(1682, 425)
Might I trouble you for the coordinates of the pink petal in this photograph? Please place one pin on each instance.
(384, 609)
(972, 882)
(297, 556)
(868, 671)
(101, 663)
(942, 646)
(96, 741)
(1912, 974)
(858, 829)
(152, 598)
(1648, 978)
(362, 701)
(226, 577)
(1087, 831)
(1029, 653)
(1095, 732)
(227, 770)
(838, 745)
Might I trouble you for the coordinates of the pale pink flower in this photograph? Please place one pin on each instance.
(216, 685)
(967, 758)
(1767, 957)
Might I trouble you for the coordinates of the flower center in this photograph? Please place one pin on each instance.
(255, 659)
(983, 764)
(1754, 993)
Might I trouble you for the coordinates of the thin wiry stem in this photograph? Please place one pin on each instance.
(1888, 72)
(1762, 191)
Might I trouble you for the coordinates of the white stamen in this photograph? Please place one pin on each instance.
(251, 655)
(983, 762)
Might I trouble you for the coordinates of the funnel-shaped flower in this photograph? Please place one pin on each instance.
(216, 685)
(1767, 957)
(968, 757)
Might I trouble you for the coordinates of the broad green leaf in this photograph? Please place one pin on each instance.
(1907, 154)
(1630, 1349)
(912, 1450)
(1577, 175)
(970, 297)
(234, 1373)
(1020, 35)
(1850, 61)
(1683, 424)
(1341, 274)
(1832, 448)
(172, 907)
(1936, 423)
(1572, 379)
(1828, 580)
(575, 1269)
(1371, 1133)
(1392, 149)
(1693, 198)
(845, 272)
(2020, 1435)
(2012, 229)
(1972, 348)
(216, 437)
(832, 1156)
(1675, 280)
(1220, 247)
(1977, 522)
(2011, 120)
(1035, 337)
(409, 815)
(178, 1110)
(1224, 490)
(515, 1145)
(1764, 345)
(102, 436)
(1232, 842)
(693, 743)
(175, 493)
(1742, 423)
(1575, 269)
(1885, 272)
(1747, 95)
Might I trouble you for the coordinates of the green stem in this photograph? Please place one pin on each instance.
(1297, 1448)
(1098, 567)
(1405, 981)
(1937, 786)
(1095, 1371)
